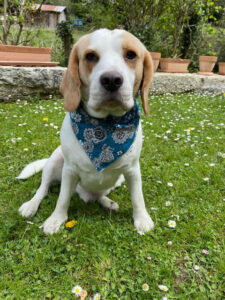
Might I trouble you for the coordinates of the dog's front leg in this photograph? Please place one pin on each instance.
(59, 216)
(142, 220)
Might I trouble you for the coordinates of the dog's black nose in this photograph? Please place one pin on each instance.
(111, 81)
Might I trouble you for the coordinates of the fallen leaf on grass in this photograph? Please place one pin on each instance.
(83, 294)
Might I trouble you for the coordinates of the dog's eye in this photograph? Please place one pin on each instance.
(92, 57)
(131, 55)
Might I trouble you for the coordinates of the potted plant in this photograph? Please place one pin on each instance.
(206, 64)
(222, 68)
(155, 57)
(174, 65)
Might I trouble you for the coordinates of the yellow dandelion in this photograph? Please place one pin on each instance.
(45, 119)
(71, 224)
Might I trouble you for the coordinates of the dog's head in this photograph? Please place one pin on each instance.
(107, 69)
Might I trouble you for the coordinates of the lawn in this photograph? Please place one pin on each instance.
(182, 162)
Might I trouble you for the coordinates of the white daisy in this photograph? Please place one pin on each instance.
(172, 223)
(169, 184)
(97, 296)
(77, 290)
(168, 203)
(154, 208)
(205, 251)
(163, 288)
(196, 267)
(145, 287)
(206, 179)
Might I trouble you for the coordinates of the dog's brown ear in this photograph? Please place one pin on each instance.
(70, 85)
(146, 80)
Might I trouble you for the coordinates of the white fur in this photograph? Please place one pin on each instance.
(110, 60)
(70, 163)
(32, 168)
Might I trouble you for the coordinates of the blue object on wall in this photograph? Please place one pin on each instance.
(78, 23)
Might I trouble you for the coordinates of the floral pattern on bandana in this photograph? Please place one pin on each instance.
(105, 140)
(121, 134)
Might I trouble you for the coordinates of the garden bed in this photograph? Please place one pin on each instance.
(182, 166)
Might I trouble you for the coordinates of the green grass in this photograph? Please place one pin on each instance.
(103, 253)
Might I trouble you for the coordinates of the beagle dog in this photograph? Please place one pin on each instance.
(106, 70)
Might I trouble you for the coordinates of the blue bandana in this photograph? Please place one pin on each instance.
(105, 140)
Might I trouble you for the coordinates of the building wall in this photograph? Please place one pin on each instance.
(47, 19)
(52, 21)
(62, 17)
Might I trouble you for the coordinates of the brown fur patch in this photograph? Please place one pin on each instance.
(142, 65)
(88, 65)
(75, 74)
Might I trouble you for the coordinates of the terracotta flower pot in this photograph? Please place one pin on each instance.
(155, 57)
(206, 64)
(25, 56)
(174, 65)
(222, 68)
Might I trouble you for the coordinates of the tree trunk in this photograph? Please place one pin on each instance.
(4, 29)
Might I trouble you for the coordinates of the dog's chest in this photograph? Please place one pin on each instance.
(90, 178)
(99, 181)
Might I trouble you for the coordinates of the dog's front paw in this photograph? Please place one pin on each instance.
(143, 223)
(108, 203)
(28, 209)
(53, 223)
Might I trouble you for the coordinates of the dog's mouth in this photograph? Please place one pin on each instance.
(113, 100)
(112, 105)
(109, 107)
(115, 104)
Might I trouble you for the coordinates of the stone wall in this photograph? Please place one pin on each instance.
(21, 82)
(183, 83)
